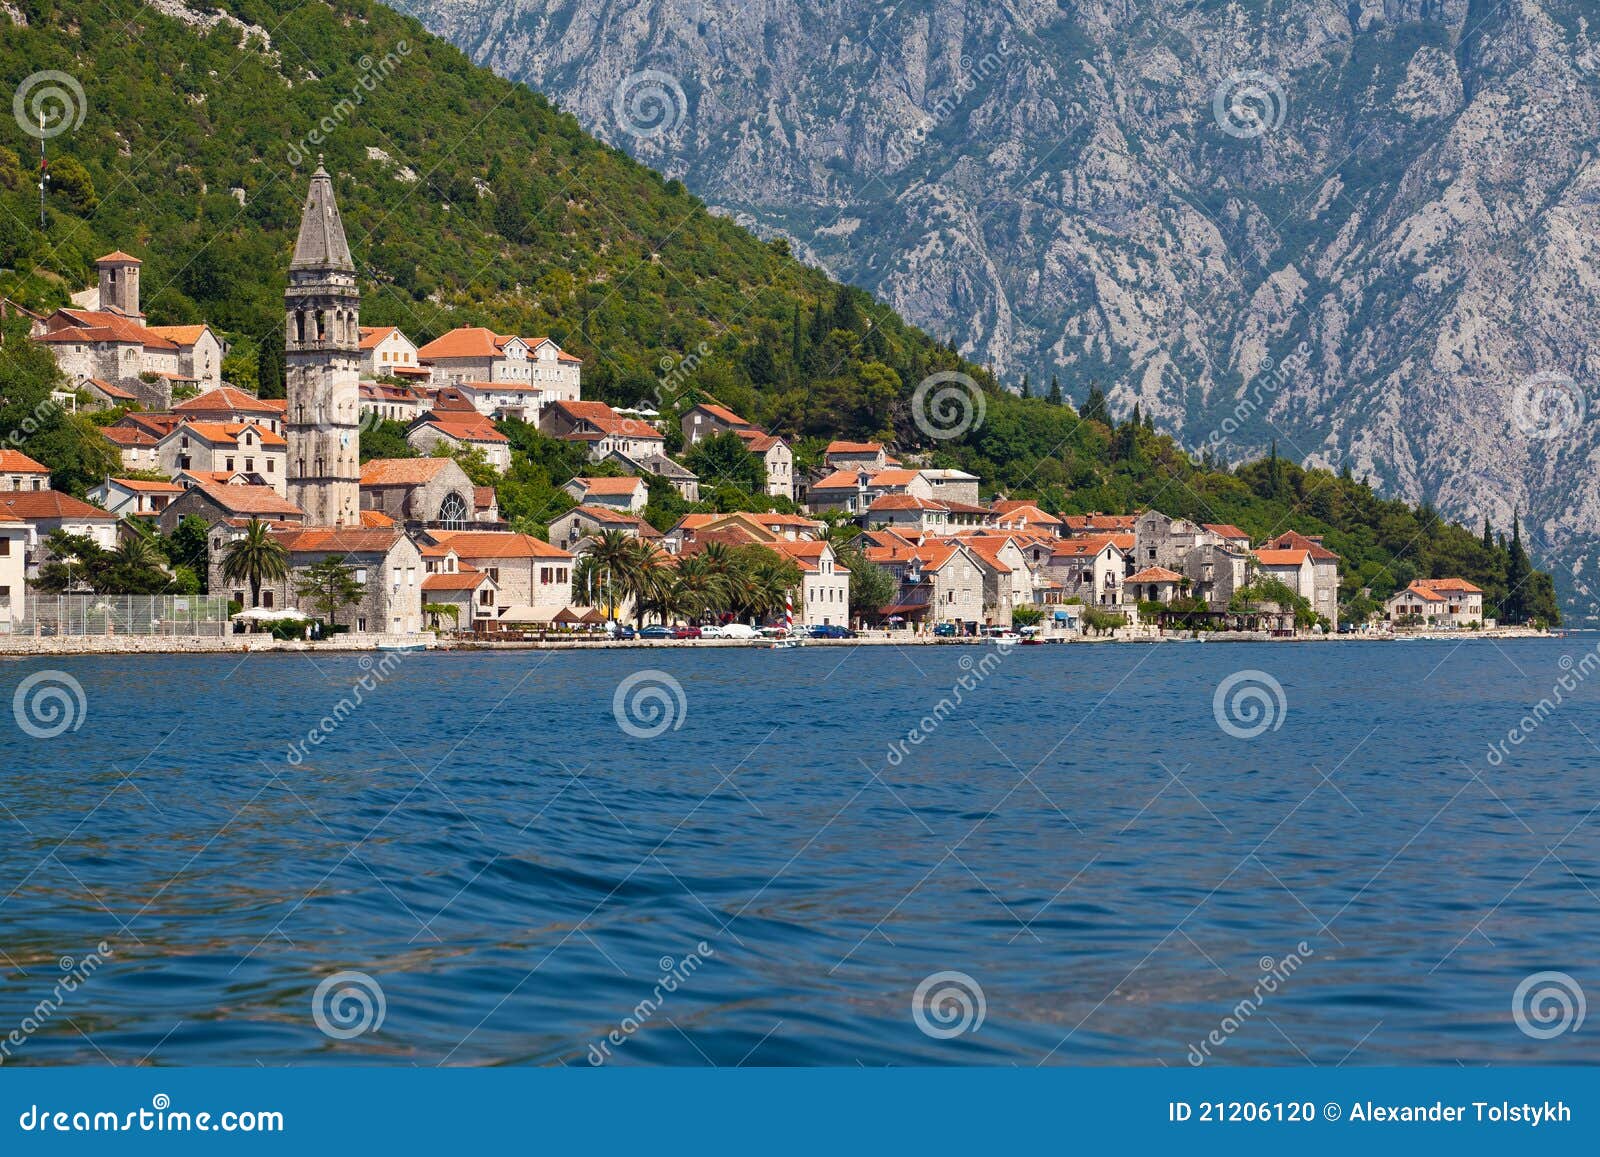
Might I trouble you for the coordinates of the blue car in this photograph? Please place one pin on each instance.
(624, 632)
(831, 631)
(656, 631)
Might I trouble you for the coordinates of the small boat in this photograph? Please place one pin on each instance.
(789, 640)
(402, 646)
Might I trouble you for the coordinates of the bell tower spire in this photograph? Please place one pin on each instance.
(322, 365)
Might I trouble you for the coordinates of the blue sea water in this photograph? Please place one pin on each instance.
(812, 837)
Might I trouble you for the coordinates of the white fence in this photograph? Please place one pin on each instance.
(188, 616)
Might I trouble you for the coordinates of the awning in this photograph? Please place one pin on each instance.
(524, 614)
(567, 615)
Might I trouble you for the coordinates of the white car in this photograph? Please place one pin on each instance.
(729, 631)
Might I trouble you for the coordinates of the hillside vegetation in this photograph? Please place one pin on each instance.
(470, 200)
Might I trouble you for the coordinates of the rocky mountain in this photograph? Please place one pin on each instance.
(1366, 229)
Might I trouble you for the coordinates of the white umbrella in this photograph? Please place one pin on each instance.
(269, 615)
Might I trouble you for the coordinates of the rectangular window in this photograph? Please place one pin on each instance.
(361, 574)
(5, 596)
(266, 598)
(5, 547)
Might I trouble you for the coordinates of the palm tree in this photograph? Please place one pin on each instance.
(700, 586)
(770, 581)
(616, 560)
(255, 557)
(652, 583)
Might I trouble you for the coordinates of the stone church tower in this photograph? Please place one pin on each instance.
(322, 366)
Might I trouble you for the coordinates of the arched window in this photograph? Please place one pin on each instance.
(453, 511)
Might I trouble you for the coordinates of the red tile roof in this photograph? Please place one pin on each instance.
(469, 341)
(463, 428)
(403, 471)
(1293, 540)
(1226, 530)
(224, 399)
(247, 499)
(1282, 557)
(496, 544)
(1459, 585)
(16, 462)
(337, 540)
(374, 335)
(182, 335)
(118, 257)
(49, 504)
(1155, 574)
(617, 486)
(842, 447)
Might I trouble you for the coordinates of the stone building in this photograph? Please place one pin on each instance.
(420, 492)
(322, 365)
(386, 563)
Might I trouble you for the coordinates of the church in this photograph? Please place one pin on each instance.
(322, 366)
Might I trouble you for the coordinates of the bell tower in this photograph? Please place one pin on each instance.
(322, 365)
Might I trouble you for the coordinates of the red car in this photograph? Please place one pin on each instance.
(686, 632)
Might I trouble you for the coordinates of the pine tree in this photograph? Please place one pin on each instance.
(1136, 420)
(1055, 392)
(1488, 534)
(1027, 390)
(1149, 422)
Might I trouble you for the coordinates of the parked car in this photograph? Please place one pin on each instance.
(624, 631)
(831, 631)
(656, 631)
(944, 630)
(686, 632)
(774, 632)
(729, 631)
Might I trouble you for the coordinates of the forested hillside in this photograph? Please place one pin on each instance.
(469, 200)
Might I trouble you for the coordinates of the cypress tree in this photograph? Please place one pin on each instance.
(1055, 391)
(1519, 573)
(1488, 534)
(1094, 406)
(1026, 391)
